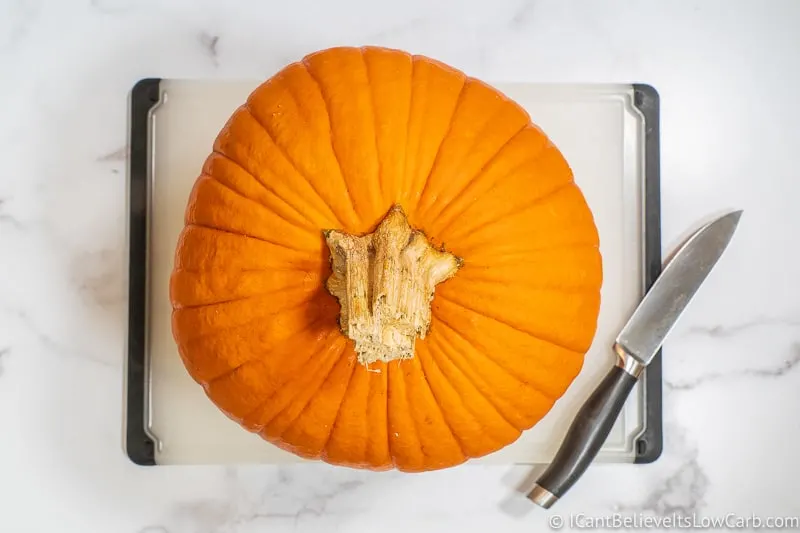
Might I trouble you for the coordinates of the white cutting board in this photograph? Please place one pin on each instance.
(598, 130)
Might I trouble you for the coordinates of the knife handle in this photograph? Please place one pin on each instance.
(585, 437)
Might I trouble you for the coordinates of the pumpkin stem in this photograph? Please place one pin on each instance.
(384, 282)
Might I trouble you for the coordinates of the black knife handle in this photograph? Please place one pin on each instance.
(585, 437)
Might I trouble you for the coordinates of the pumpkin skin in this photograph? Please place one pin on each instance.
(334, 141)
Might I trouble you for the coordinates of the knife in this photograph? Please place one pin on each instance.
(635, 346)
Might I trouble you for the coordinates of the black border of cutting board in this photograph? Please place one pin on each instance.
(650, 444)
(140, 448)
(138, 444)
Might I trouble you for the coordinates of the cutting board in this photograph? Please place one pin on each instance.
(609, 136)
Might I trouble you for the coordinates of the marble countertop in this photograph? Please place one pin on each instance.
(727, 73)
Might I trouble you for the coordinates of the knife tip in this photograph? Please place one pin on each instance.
(736, 215)
(729, 220)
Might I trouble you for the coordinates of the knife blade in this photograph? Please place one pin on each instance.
(636, 345)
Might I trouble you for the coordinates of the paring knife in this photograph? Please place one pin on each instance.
(635, 346)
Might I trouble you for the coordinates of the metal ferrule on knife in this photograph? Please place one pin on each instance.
(628, 362)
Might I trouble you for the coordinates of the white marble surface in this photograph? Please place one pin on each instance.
(728, 74)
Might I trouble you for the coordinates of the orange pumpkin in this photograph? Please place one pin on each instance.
(385, 264)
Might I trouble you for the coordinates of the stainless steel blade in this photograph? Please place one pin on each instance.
(663, 304)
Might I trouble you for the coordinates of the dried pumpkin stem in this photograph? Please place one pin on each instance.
(384, 282)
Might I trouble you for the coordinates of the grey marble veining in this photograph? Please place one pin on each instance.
(745, 327)
(287, 499)
(16, 19)
(23, 319)
(788, 365)
(120, 154)
(97, 276)
(209, 43)
(4, 353)
(153, 529)
(7, 219)
(683, 490)
(730, 117)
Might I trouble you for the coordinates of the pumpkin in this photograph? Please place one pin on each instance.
(385, 265)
